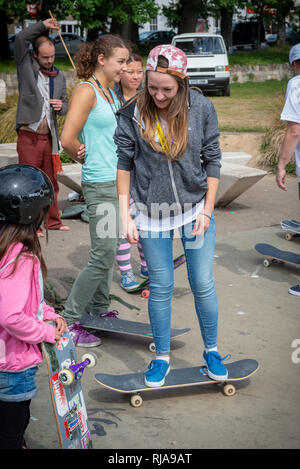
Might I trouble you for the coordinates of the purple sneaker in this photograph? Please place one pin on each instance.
(81, 337)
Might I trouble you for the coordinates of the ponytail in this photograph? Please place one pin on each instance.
(86, 57)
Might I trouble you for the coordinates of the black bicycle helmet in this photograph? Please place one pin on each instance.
(25, 191)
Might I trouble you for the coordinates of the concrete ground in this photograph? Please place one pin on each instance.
(258, 319)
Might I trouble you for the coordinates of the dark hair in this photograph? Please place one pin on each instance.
(38, 41)
(11, 234)
(87, 56)
(134, 58)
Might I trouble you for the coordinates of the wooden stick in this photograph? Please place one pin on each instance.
(63, 43)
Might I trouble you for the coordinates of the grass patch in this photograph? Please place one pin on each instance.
(270, 55)
(251, 106)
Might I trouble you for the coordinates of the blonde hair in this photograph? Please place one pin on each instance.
(177, 122)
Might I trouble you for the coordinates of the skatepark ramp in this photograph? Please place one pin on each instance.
(236, 176)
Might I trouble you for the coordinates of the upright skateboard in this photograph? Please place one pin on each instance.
(66, 393)
(133, 383)
(143, 286)
(272, 254)
(292, 228)
(110, 323)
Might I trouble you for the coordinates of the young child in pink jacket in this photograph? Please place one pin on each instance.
(26, 194)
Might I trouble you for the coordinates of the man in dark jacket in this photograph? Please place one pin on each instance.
(42, 94)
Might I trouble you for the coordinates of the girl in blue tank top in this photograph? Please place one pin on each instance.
(88, 138)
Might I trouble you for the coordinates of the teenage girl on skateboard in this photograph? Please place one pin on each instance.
(168, 148)
(91, 122)
(26, 194)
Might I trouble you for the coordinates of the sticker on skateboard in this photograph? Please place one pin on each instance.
(68, 404)
(133, 383)
(178, 261)
(272, 254)
(109, 323)
(292, 228)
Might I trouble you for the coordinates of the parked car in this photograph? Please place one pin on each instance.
(292, 36)
(156, 38)
(72, 41)
(245, 33)
(207, 61)
(271, 39)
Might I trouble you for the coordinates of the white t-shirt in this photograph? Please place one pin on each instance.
(291, 112)
(43, 86)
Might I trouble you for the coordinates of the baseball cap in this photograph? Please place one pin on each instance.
(176, 58)
(295, 53)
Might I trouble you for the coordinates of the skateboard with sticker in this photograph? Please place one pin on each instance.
(272, 254)
(133, 383)
(143, 286)
(64, 373)
(292, 228)
(109, 322)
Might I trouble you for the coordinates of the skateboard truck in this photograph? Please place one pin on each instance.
(74, 372)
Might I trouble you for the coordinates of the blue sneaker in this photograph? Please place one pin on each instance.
(128, 281)
(295, 290)
(215, 368)
(157, 371)
(144, 272)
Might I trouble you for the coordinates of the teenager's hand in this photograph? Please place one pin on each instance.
(81, 152)
(281, 178)
(130, 231)
(51, 24)
(201, 224)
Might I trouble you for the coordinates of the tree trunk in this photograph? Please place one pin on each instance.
(226, 26)
(128, 30)
(4, 49)
(281, 30)
(189, 16)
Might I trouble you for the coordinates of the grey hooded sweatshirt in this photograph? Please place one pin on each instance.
(154, 179)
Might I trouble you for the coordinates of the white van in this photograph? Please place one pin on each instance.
(207, 60)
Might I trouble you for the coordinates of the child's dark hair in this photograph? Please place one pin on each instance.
(87, 56)
(11, 234)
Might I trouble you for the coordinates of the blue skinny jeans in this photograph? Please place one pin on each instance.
(199, 251)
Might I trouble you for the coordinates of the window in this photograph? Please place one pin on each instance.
(153, 24)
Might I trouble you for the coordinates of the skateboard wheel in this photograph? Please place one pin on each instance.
(145, 293)
(152, 347)
(136, 400)
(92, 359)
(266, 262)
(288, 236)
(229, 390)
(66, 377)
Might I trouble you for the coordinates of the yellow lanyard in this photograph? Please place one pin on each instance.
(161, 136)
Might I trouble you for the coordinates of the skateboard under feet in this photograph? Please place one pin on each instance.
(133, 383)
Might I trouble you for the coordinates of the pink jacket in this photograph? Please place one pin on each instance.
(20, 331)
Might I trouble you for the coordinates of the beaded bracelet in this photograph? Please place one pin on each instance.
(205, 214)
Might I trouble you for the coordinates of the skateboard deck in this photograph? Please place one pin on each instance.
(133, 383)
(292, 228)
(123, 326)
(67, 399)
(178, 261)
(272, 254)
